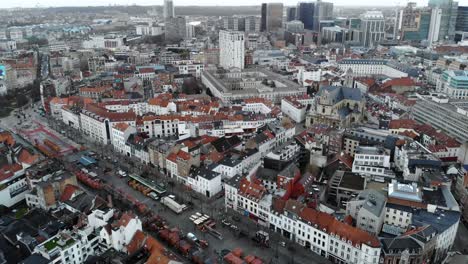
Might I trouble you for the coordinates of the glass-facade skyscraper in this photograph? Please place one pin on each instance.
(448, 17)
(305, 14)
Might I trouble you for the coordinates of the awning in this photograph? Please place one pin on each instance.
(86, 161)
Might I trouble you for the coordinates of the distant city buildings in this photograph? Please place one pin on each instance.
(175, 29)
(446, 18)
(274, 16)
(372, 28)
(168, 9)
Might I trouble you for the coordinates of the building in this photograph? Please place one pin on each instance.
(450, 116)
(371, 67)
(323, 234)
(415, 246)
(16, 185)
(148, 30)
(234, 23)
(274, 17)
(251, 83)
(175, 28)
(435, 25)
(263, 17)
(252, 24)
(454, 84)
(372, 28)
(323, 11)
(334, 34)
(414, 23)
(51, 190)
(168, 9)
(117, 234)
(448, 18)
(291, 13)
(372, 163)
(195, 68)
(231, 49)
(305, 13)
(97, 122)
(69, 247)
(205, 181)
(337, 106)
(368, 209)
(343, 186)
(296, 107)
(294, 26)
(462, 19)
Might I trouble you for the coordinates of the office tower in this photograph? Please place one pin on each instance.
(291, 14)
(413, 23)
(435, 25)
(263, 18)
(190, 30)
(274, 18)
(462, 19)
(305, 14)
(175, 29)
(448, 18)
(231, 49)
(234, 23)
(252, 24)
(372, 28)
(322, 11)
(168, 9)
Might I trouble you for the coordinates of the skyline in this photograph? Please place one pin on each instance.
(84, 3)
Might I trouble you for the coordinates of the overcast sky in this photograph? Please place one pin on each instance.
(47, 3)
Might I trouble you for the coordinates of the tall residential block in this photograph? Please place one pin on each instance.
(232, 48)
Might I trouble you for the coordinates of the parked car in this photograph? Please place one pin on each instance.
(225, 222)
(122, 173)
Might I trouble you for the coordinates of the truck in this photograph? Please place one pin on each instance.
(173, 205)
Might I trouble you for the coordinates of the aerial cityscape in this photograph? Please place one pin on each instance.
(170, 132)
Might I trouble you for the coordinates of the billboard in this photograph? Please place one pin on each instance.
(2, 71)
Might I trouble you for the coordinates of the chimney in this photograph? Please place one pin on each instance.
(109, 201)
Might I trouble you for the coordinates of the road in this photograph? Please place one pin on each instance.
(461, 240)
(291, 253)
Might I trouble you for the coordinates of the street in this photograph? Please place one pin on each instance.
(290, 253)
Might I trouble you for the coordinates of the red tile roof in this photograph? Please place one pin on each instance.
(9, 170)
(183, 155)
(125, 219)
(392, 200)
(251, 189)
(112, 116)
(157, 252)
(172, 157)
(332, 226)
(121, 126)
(406, 81)
(146, 70)
(28, 158)
(137, 242)
(7, 138)
(68, 192)
(402, 123)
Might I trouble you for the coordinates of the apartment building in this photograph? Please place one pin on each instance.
(97, 122)
(372, 163)
(70, 246)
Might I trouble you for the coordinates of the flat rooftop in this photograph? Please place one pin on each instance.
(258, 80)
